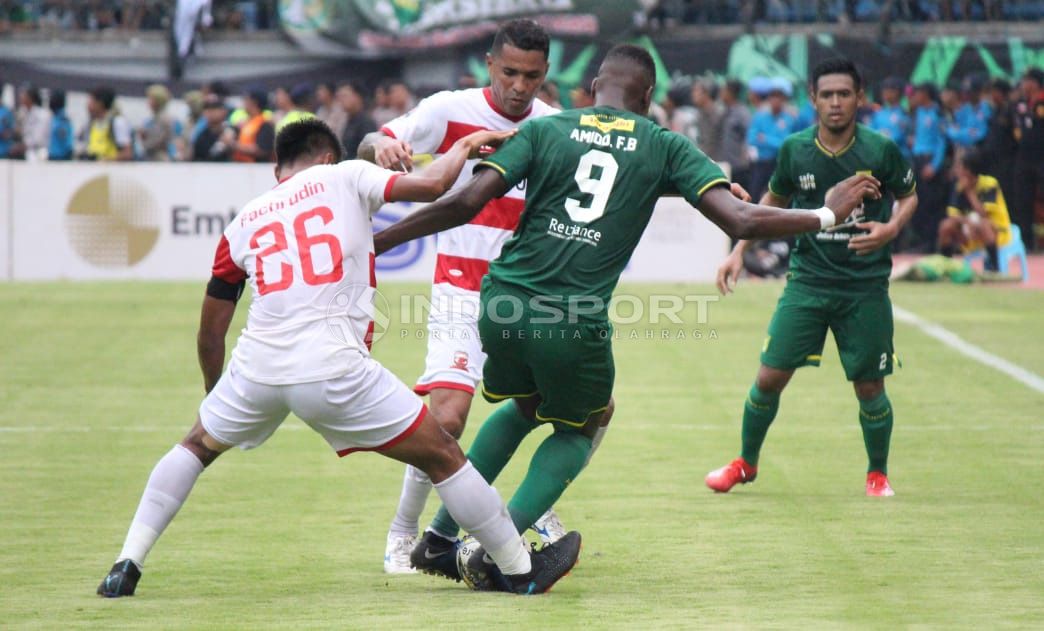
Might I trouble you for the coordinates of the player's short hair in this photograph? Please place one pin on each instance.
(1001, 85)
(524, 34)
(973, 160)
(33, 93)
(928, 89)
(837, 65)
(635, 55)
(309, 137)
(104, 95)
(56, 100)
(735, 87)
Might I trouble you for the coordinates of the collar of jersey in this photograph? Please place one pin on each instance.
(830, 153)
(488, 93)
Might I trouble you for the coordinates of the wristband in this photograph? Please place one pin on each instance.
(826, 217)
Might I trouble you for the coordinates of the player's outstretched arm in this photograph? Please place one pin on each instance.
(741, 220)
(455, 209)
(214, 320)
(386, 152)
(442, 174)
(730, 268)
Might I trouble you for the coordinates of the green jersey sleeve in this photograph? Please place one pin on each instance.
(781, 184)
(689, 171)
(898, 176)
(512, 160)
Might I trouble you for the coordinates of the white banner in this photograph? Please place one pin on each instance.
(82, 221)
(5, 220)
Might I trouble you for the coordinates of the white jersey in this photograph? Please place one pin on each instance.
(306, 247)
(464, 252)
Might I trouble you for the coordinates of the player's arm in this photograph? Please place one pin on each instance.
(420, 130)
(897, 176)
(440, 176)
(214, 320)
(219, 305)
(742, 220)
(450, 211)
(730, 268)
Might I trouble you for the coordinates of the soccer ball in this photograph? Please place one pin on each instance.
(476, 569)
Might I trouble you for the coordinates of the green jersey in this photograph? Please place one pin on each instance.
(592, 179)
(805, 170)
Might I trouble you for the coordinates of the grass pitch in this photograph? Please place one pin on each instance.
(98, 380)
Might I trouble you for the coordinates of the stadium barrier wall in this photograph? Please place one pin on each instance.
(92, 221)
(6, 235)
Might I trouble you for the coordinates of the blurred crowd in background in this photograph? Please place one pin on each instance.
(129, 15)
(667, 13)
(94, 15)
(742, 125)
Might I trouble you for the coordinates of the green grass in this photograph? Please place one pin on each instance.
(97, 381)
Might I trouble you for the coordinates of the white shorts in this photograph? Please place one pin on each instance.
(455, 356)
(369, 409)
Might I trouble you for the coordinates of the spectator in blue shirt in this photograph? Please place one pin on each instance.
(929, 151)
(892, 120)
(971, 121)
(768, 128)
(60, 146)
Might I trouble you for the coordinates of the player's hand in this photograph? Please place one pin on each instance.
(848, 194)
(879, 235)
(394, 154)
(728, 273)
(740, 192)
(481, 142)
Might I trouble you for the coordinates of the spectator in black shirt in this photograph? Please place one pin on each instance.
(212, 143)
(360, 123)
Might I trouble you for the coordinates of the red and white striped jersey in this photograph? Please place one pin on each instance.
(306, 248)
(432, 127)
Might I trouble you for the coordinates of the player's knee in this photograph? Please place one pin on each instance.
(607, 415)
(866, 390)
(772, 379)
(452, 422)
(443, 458)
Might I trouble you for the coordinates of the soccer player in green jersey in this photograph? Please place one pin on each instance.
(593, 176)
(838, 277)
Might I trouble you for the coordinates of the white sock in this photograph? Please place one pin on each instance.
(597, 440)
(416, 485)
(475, 505)
(171, 480)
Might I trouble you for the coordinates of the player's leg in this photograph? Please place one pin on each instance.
(452, 370)
(449, 408)
(863, 332)
(475, 505)
(236, 412)
(950, 236)
(796, 335)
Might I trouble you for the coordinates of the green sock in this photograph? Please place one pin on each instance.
(496, 442)
(875, 416)
(556, 463)
(758, 413)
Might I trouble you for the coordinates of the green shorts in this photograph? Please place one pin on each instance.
(569, 365)
(860, 321)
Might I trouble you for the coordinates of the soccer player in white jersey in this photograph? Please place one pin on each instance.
(306, 248)
(517, 64)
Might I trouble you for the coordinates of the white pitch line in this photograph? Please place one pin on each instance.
(951, 339)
